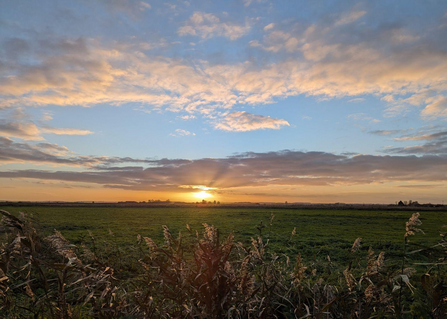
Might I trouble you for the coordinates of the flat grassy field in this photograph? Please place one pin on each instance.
(319, 233)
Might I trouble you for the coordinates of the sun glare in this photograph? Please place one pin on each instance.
(202, 195)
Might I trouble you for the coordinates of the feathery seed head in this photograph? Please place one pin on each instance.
(356, 246)
(411, 228)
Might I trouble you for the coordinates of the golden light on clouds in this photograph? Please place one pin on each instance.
(181, 100)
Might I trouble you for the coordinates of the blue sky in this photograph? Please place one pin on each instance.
(123, 99)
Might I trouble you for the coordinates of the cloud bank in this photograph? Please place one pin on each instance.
(283, 168)
(324, 59)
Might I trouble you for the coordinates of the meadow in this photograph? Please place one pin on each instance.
(319, 233)
(84, 262)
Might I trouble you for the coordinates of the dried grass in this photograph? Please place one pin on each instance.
(214, 278)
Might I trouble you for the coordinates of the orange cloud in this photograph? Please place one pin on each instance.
(26, 131)
(87, 72)
(65, 131)
(243, 121)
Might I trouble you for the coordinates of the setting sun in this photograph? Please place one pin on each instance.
(317, 126)
(202, 195)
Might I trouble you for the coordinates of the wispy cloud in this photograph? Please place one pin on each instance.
(22, 127)
(65, 131)
(248, 2)
(180, 132)
(207, 25)
(349, 17)
(278, 40)
(243, 121)
(436, 144)
(362, 117)
(187, 117)
(389, 132)
(357, 100)
(269, 26)
(426, 137)
(132, 8)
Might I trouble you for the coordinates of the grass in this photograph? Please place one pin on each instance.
(318, 232)
(204, 273)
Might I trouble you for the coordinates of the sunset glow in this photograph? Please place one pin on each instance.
(202, 195)
(263, 101)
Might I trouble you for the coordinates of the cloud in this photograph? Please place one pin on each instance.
(279, 40)
(132, 8)
(180, 132)
(18, 114)
(269, 27)
(362, 117)
(65, 131)
(254, 43)
(349, 17)
(47, 153)
(243, 121)
(436, 144)
(426, 137)
(18, 124)
(207, 25)
(421, 186)
(388, 132)
(43, 153)
(46, 116)
(313, 60)
(25, 131)
(436, 107)
(354, 61)
(283, 169)
(248, 2)
(357, 100)
(144, 5)
(53, 149)
(187, 117)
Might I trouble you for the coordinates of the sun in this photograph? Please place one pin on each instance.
(202, 195)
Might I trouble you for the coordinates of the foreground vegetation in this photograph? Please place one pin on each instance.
(319, 233)
(199, 274)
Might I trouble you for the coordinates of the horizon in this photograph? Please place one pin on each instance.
(404, 203)
(242, 101)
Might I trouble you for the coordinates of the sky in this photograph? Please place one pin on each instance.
(235, 101)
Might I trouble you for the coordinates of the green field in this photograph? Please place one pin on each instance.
(203, 271)
(318, 232)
